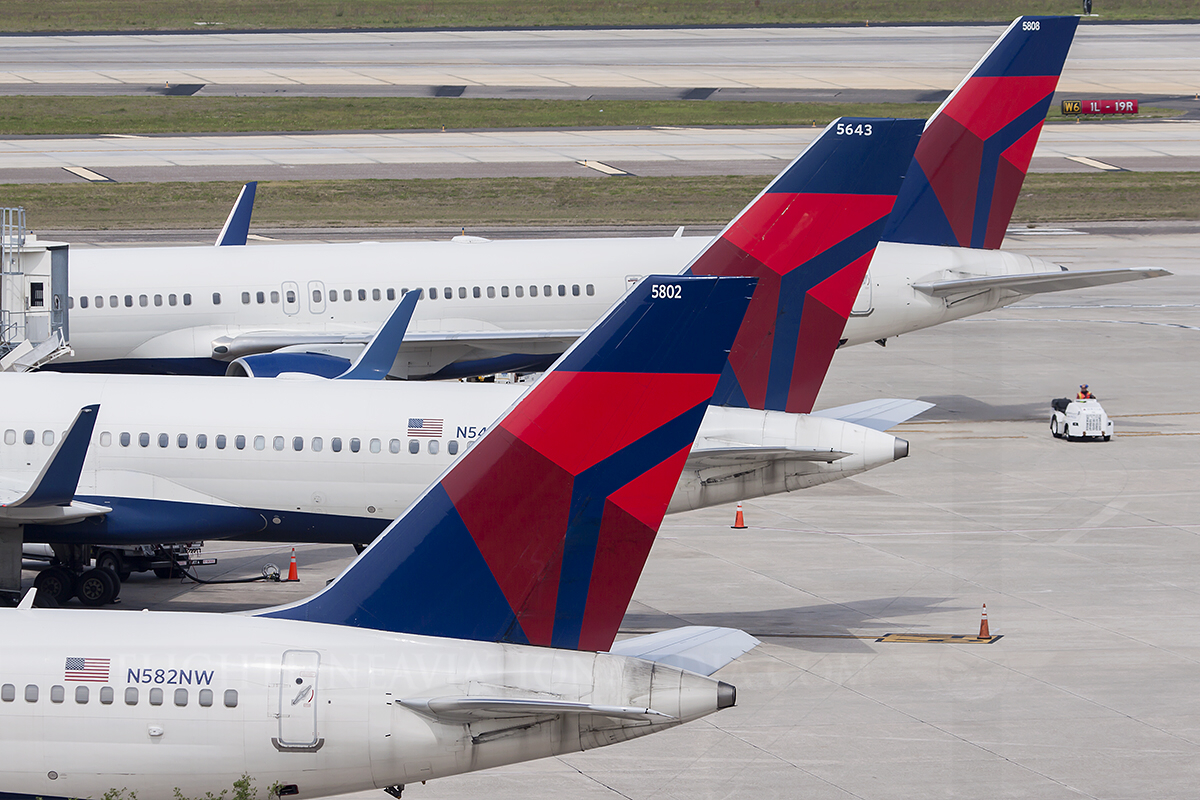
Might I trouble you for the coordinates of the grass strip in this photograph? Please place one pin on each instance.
(64, 116)
(1064, 197)
(124, 15)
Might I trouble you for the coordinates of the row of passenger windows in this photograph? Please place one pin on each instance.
(58, 694)
(433, 293)
(221, 441)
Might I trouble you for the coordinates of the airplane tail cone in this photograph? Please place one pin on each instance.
(984, 633)
(738, 522)
(292, 574)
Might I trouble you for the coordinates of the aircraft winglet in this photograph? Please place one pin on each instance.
(537, 534)
(55, 485)
(376, 359)
(237, 225)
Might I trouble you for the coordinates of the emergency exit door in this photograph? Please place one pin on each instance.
(298, 699)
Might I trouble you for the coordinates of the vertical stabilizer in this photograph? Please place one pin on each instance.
(538, 533)
(968, 170)
(808, 238)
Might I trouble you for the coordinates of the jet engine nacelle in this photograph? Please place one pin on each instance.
(272, 365)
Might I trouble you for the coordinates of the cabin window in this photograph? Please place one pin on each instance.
(260, 443)
(317, 444)
(216, 298)
(105, 439)
(452, 447)
(333, 295)
(113, 302)
(347, 295)
(29, 437)
(362, 294)
(231, 698)
(335, 444)
(156, 696)
(124, 438)
(275, 298)
(297, 443)
(144, 439)
(57, 694)
(187, 298)
(70, 302)
(31, 693)
(391, 294)
(433, 293)
(245, 298)
(81, 695)
(131, 696)
(575, 290)
(83, 301)
(316, 295)
(10, 436)
(158, 300)
(562, 290)
(129, 301)
(99, 301)
(476, 292)
(220, 441)
(164, 440)
(143, 300)
(414, 446)
(260, 297)
(277, 443)
(291, 296)
(355, 445)
(181, 697)
(462, 293)
(546, 290)
(491, 292)
(375, 295)
(533, 291)
(48, 437)
(239, 442)
(206, 697)
(201, 440)
(448, 293)
(171, 299)
(376, 446)
(106, 695)
(433, 447)
(181, 441)
(591, 290)
(394, 446)
(8, 693)
(504, 291)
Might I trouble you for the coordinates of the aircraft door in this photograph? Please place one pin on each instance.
(316, 297)
(291, 298)
(863, 304)
(298, 700)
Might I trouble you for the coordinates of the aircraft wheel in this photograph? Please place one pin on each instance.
(97, 587)
(55, 582)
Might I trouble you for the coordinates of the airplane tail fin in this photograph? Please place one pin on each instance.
(808, 238)
(968, 169)
(537, 534)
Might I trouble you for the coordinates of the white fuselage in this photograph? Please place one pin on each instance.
(156, 703)
(195, 304)
(317, 460)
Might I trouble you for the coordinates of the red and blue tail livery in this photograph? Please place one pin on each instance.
(538, 532)
(968, 170)
(808, 238)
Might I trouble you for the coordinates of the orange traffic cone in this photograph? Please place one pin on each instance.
(983, 625)
(292, 575)
(738, 522)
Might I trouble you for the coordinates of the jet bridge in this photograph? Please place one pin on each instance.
(33, 296)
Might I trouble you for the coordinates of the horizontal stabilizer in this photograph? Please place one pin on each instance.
(742, 455)
(877, 415)
(468, 709)
(376, 360)
(1038, 282)
(702, 649)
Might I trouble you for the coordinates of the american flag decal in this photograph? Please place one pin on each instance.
(87, 669)
(424, 426)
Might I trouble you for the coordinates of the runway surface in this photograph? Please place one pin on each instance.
(1155, 146)
(1122, 59)
(1085, 554)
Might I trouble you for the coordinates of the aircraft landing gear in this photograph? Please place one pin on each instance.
(97, 587)
(56, 582)
(395, 791)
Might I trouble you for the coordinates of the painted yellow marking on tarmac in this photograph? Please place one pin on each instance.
(938, 638)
